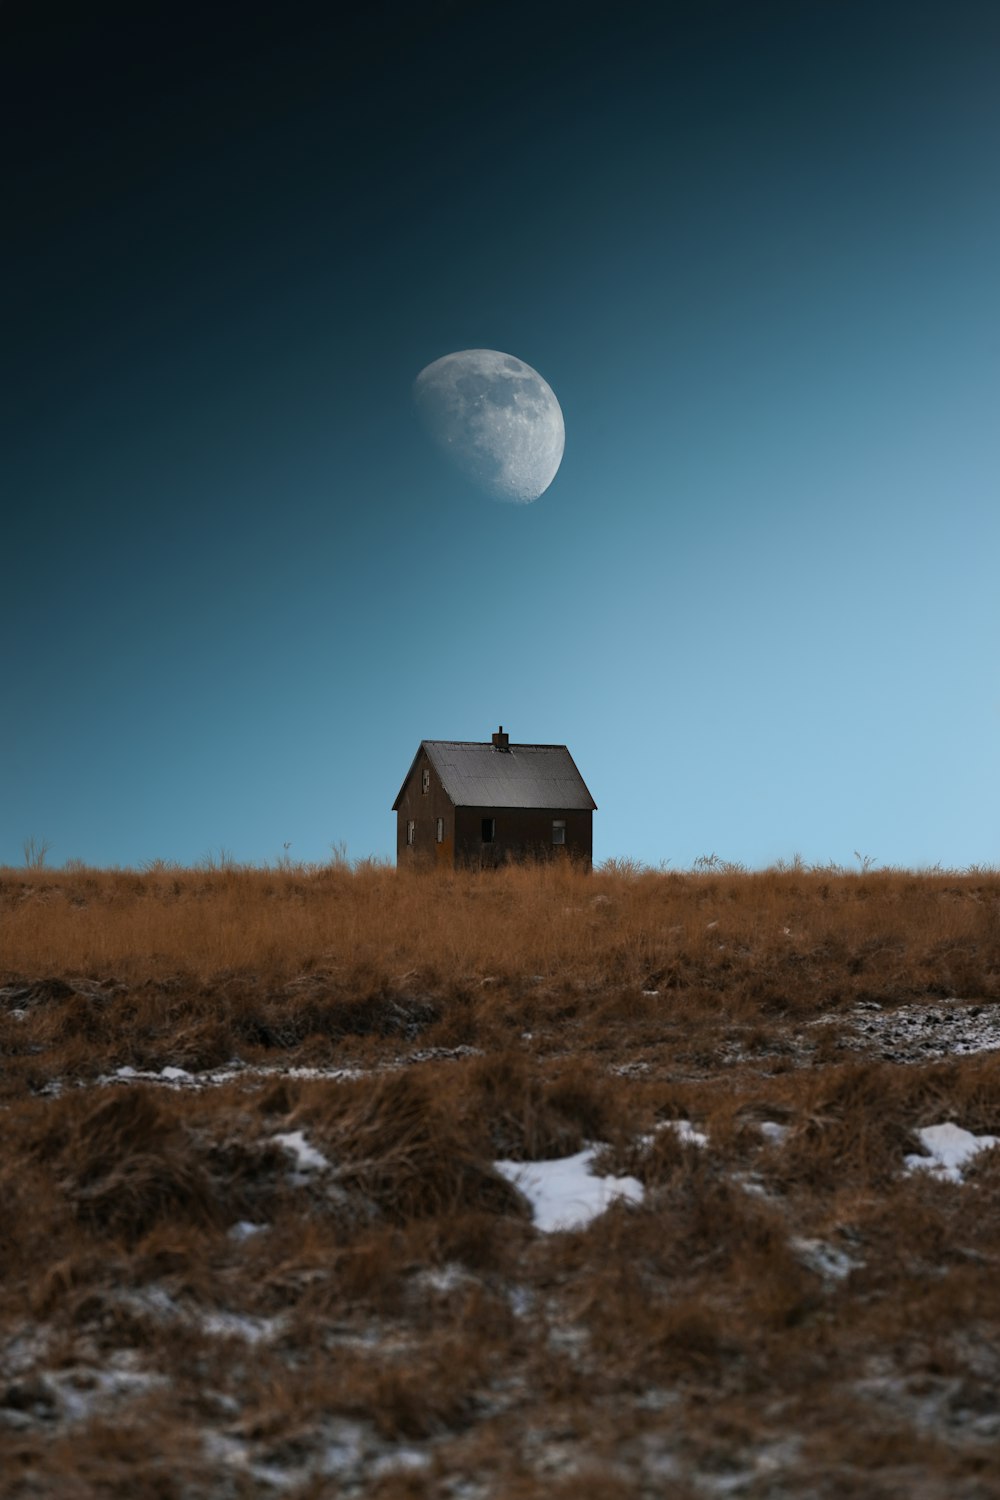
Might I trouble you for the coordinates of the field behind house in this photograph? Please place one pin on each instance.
(253, 1240)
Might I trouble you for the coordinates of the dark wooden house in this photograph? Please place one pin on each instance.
(464, 803)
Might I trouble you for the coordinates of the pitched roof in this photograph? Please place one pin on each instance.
(476, 775)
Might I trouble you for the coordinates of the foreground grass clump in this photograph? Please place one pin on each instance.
(254, 1242)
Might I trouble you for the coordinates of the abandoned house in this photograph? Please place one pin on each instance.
(464, 803)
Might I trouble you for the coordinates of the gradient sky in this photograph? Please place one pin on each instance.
(754, 249)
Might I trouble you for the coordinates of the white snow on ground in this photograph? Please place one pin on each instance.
(686, 1133)
(825, 1259)
(255, 1073)
(565, 1194)
(919, 1033)
(402, 1461)
(682, 1129)
(245, 1229)
(951, 1148)
(307, 1158)
(228, 1325)
(349, 1452)
(180, 1078)
(69, 1392)
(444, 1279)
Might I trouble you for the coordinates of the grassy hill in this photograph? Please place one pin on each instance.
(254, 1239)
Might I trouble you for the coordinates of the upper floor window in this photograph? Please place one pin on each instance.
(489, 830)
(426, 780)
(411, 829)
(439, 832)
(559, 830)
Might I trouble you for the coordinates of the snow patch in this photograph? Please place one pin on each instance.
(522, 1301)
(345, 1451)
(402, 1461)
(682, 1129)
(825, 1259)
(920, 1033)
(229, 1325)
(245, 1229)
(686, 1133)
(78, 1393)
(307, 1158)
(564, 1194)
(444, 1279)
(950, 1149)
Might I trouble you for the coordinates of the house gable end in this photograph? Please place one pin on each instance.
(422, 749)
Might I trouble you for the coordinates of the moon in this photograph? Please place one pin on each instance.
(496, 419)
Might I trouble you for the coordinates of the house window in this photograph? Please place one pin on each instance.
(411, 829)
(559, 830)
(439, 833)
(426, 781)
(489, 830)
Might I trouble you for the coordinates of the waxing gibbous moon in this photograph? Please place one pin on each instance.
(496, 419)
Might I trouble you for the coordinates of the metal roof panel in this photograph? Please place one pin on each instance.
(477, 775)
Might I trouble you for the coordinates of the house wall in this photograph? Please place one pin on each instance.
(424, 808)
(521, 833)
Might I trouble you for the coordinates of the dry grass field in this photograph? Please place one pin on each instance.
(253, 1240)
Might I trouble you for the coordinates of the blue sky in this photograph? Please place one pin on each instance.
(754, 250)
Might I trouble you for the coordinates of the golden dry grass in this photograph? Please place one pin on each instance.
(784, 1315)
(550, 919)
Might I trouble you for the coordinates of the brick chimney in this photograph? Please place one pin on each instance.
(501, 741)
